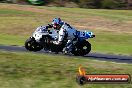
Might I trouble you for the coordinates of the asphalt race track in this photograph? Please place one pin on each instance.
(96, 56)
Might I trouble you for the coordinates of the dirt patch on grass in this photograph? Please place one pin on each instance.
(26, 8)
(101, 24)
(86, 23)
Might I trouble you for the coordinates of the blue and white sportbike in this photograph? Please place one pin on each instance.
(43, 39)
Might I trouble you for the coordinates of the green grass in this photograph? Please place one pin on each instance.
(12, 40)
(112, 43)
(28, 70)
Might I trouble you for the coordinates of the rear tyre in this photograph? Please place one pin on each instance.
(32, 45)
(81, 48)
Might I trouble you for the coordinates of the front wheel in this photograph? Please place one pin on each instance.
(32, 45)
(81, 48)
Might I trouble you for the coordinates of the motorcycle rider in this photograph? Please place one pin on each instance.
(65, 31)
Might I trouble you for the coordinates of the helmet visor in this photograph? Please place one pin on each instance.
(55, 25)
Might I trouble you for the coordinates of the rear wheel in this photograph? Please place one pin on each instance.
(81, 48)
(32, 45)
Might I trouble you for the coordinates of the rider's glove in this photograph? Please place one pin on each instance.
(49, 25)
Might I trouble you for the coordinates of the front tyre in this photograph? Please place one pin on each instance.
(81, 48)
(32, 45)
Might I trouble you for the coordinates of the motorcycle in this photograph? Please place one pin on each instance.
(43, 39)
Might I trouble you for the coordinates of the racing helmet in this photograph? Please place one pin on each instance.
(57, 23)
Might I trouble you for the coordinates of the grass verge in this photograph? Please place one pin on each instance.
(12, 40)
(28, 70)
